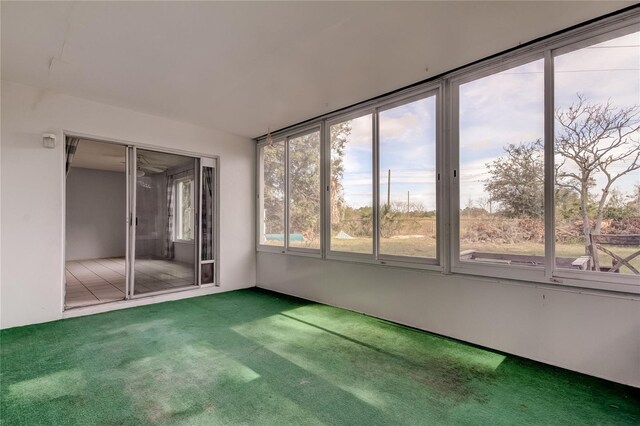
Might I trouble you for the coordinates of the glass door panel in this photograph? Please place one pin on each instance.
(165, 222)
(207, 222)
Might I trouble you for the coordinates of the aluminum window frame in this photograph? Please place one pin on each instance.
(596, 279)
(260, 197)
(476, 268)
(304, 251)
(447, 147)
(425, 92)
(339, 254)
(285, 138)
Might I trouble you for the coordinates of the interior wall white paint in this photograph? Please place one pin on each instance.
(184, 252)
(32, 192)
(596, 334)
(96, 206)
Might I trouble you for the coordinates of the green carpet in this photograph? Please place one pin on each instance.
(255, 357)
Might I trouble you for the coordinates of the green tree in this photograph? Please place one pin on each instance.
(339, 136)
(304, 185)
(304, 181)
(274, 179)
(516, 182)
(567, 203)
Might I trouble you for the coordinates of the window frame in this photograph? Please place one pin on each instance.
(285, 247)
(399, 260)
(600, 280)
(260, 195)
(447, 153)
(338, 254)
(304, 251)
(178, 203)
(475, 268)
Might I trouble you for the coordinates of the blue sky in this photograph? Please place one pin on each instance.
(407, 147)
(496, 110)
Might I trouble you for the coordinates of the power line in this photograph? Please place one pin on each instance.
(565, 71)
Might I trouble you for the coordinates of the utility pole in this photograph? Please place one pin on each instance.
(389, 188)
(408, 202)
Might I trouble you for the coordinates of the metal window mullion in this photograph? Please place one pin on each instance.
(198, 218)
(325, 158)
(549, 167)
(132, 221)
(215, 243)
(323, 195)
(442, 157)
(454, 174)
(127, 272)
(286, 194)
(259, 197)
(376, 184)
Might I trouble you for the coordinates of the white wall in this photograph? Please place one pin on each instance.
(96, 206)
(593, 333)
(32, 197)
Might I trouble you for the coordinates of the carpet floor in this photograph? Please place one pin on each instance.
(255, 357)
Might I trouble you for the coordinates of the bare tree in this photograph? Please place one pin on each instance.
(595, 140)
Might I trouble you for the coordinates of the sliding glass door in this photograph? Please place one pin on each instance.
(173, 222)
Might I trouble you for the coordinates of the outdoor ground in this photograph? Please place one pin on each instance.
(255, 357)
(425, 247)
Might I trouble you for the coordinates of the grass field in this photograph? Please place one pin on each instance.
(426, 247)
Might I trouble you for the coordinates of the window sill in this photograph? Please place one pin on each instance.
(575, 279)
(628, 284)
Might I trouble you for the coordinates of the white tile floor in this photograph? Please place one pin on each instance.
(94, 281)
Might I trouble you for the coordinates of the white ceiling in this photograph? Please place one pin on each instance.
(99, 156)
(244, 66)
(111, 157)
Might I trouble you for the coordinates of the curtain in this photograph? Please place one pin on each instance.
(168, 242)
(70, 148)
(207, 213)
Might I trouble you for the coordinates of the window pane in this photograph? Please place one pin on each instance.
(351, 185)
(187, 209)
(408, 179)
(179, 211)
(184, 210)
(501, 131)
(273, 181)
(304, 191)
(207, 213)
(597, 188)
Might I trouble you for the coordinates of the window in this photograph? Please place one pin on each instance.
(534, 176)
(596, 150)
(407, 181)
(304, 191)
(271, 223)
(501, 167)
(184, 209)
(351, 185)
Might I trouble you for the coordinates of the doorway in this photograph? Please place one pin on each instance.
(96, 206)
(138, 222)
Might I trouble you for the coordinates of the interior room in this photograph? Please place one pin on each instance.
(96, 267)
(95, 231)
(320, 213)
